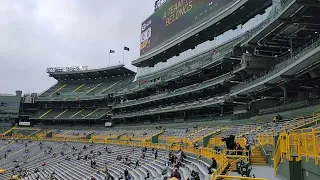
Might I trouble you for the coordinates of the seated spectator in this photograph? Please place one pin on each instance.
(239, 149)
(119, 157)
(194, 175)
(212, 166)
(147, 175)
(175, 173)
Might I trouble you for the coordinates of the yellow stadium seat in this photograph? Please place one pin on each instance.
(2, 171)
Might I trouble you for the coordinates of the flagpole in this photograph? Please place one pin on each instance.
(109, 60)
(123, 56)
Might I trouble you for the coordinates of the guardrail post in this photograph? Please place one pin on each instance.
(314, 144)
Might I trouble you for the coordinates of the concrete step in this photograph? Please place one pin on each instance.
(257, 158)
(259, 163)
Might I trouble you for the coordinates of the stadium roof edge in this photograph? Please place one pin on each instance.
(106, 72)
(182, 41)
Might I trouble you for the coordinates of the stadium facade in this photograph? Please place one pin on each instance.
(200, 60)
(214, 61)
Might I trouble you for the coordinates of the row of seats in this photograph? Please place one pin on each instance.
(69, 166)
(74, 90)
(184, 105)
(82, 113)
(178, 91)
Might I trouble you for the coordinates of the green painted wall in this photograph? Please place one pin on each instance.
(310, 170)
(307, 175)
(283, 169)
(299, 170)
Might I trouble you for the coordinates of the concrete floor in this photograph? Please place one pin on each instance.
(260, 172)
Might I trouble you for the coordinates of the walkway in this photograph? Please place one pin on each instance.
(260, 172)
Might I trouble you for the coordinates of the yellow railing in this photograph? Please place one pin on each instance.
(276, 158)
(170, 139)
(128, 138)
(265, 139)
(217, 141)
(219, 170)
(300, 143)
(238, 177)
(203, 152)
(304, 144)
(316, 115)
(262, 146)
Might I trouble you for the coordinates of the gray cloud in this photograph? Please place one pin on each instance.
(37, 34)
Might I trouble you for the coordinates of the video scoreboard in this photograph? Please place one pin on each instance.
(175, 16)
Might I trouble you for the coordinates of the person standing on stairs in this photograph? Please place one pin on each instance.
(156, 154)
(137, 164)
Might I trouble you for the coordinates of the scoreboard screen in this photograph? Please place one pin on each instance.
(175, 16)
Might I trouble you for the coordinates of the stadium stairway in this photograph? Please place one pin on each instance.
(76, 113)
(109, 87)
(91, 113)
(95, 87)
(58, 89)
(256, 158)
(45, 113)
(61, 114)
(75, 90)
(8, 131)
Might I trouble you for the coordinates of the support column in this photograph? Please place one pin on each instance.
(295, 169)
(291, 48)
(185, 116)
(284, 88)
(222, 111)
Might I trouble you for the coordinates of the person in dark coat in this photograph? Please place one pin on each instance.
(229, 142)
(212, 166)
(175, 173)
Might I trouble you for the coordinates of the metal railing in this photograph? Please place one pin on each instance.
(217, 142)
(238, 177)
(299, 143)
(287, 60)
(198, 152)
(195, 63)
(179, 91)
(191, 105)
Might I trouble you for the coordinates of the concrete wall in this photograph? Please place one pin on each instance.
(310, 171)
(283, 170)
(302, 170)
(289, 114)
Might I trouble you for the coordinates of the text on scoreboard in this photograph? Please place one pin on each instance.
(175, 16)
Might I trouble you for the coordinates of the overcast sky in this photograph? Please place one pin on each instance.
(37, 34)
